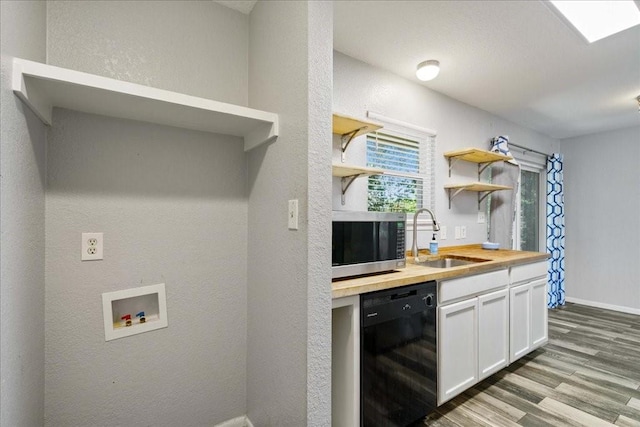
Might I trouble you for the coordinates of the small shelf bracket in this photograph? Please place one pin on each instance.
(346, 140)
(482, 167)
(346, 183)
(482, 196)
(455, 193)
(452, 161)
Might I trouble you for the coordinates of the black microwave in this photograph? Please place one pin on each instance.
(367, 242)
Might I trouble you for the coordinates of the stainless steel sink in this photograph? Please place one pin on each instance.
(448, 262)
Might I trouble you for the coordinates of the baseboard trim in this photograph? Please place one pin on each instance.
(619, 308)
(243, 421)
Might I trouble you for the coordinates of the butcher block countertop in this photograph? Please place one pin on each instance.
(413, 273)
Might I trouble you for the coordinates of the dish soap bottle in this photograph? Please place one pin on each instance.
(433, 245)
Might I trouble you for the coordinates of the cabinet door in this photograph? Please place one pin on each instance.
(493, 332)
(539, 313)
(457, 348)
(520, 322)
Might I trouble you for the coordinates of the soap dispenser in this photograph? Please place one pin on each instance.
(433, 245)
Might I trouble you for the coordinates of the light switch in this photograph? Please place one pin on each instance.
(293, 214)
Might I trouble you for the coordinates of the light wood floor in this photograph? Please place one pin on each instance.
(587, 375)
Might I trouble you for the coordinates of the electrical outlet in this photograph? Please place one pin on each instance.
(293, 214)
(463, 232)
(457, 232)
(481, 217)
(92, 246)
(443, 232)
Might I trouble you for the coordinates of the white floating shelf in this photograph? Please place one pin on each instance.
(42, 87)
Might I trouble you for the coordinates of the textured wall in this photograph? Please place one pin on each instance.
(602, 201)
(359, 88)
(282, 357)
(187, 46)
(319, 214)
(22, 208)
(173, 208)
(277, 267)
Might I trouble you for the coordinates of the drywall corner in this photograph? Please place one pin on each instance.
(289, 300)
(22, 209)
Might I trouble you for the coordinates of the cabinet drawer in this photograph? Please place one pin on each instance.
(526, 272)
(470, 286)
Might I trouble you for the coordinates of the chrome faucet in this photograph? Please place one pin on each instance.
(436, 227)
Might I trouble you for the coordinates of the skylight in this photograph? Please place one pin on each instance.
(596, 19)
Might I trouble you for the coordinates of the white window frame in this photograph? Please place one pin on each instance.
(539, 165)
(410, 131)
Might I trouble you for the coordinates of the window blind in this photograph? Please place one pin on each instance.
(408, 182)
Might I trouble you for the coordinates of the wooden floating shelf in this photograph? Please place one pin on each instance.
(478, 187)
(42, 87)
(345, 125)
(349, 170)
(349, 173)
(349, 128)
(475, 155)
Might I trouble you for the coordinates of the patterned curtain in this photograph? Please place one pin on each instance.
(555, 230)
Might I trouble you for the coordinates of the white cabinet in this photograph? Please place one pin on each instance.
(528, 309)
(520, 322)
(345, 366)
(493, 332)
(484, 321)
(457, 348)
(473, 330)
(539, 313)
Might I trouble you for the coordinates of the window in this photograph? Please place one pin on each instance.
(529, 216)
(408, 182)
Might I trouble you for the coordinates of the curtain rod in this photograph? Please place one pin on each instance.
(529, 149)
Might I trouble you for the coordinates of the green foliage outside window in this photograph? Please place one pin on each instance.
(529, 210)
(394, 192)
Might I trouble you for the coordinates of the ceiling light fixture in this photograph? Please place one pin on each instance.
(428, 70)
(638, 99)
(597, 19)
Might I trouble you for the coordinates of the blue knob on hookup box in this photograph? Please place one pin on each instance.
(141, 316)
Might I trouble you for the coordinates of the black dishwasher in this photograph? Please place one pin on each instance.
(398, 355)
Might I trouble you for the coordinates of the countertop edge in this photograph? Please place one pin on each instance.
(412, 274)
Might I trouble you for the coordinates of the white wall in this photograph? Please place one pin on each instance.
(173, 208)
(602, 201)
(289, 302)
(359, 87)
(191, 47)
(22, 219)
(320, 79)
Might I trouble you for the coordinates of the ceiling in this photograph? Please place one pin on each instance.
(516, 59)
